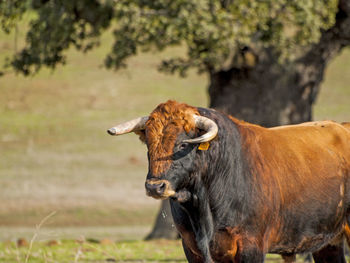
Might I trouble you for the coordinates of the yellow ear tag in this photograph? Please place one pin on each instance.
(204, 146)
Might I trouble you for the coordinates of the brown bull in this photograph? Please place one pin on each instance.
(239, 191)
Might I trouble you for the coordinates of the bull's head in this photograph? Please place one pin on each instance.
(171, 132)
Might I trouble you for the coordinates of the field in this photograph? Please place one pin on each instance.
(92, 251)
(56, 154)
(100, 251)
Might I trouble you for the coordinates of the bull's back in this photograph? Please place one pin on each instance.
(322, 138)
(297, 155)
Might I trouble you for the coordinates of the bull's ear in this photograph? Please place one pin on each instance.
(142, 135)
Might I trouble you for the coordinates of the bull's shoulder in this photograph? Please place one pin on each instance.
(307, 134)
(312, 135)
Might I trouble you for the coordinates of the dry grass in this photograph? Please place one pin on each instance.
(35, 235)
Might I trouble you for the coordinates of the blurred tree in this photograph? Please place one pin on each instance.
(265, 58)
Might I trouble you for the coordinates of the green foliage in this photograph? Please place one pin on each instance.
(213, 31)
(57, 26)
(10, 13)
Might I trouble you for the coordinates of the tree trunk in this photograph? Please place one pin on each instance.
(267, 93)
(263, 91)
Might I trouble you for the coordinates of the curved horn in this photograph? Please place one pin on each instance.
(129, 126)
(206, 124)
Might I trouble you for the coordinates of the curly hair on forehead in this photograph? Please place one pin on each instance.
(174, 111)
(162, 128)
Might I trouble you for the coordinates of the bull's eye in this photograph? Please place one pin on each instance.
(183, 146)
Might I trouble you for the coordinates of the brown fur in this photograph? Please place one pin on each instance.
(302, 148)
(162, 128)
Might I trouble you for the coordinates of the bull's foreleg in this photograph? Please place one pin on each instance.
(202, 224)
(330, 254)
(252, 254)
(191, 257)
(289, 258)
(200, 216)
(183, 225)
(250, 249)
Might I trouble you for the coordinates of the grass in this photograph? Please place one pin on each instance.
(93, 250)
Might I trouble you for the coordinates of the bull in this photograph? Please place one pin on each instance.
(239, 191)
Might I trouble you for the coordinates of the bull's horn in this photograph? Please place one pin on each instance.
(205, 124)
(129, 126)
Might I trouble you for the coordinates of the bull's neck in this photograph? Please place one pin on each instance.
(226, 180)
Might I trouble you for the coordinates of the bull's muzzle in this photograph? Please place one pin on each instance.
(159, 189)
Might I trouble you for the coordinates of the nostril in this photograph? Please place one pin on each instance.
(156, 188)
(161, 188)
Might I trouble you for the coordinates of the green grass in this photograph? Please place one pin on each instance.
(84, 251)
(99, 251)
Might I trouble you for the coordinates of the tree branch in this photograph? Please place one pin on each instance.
(332, 40)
